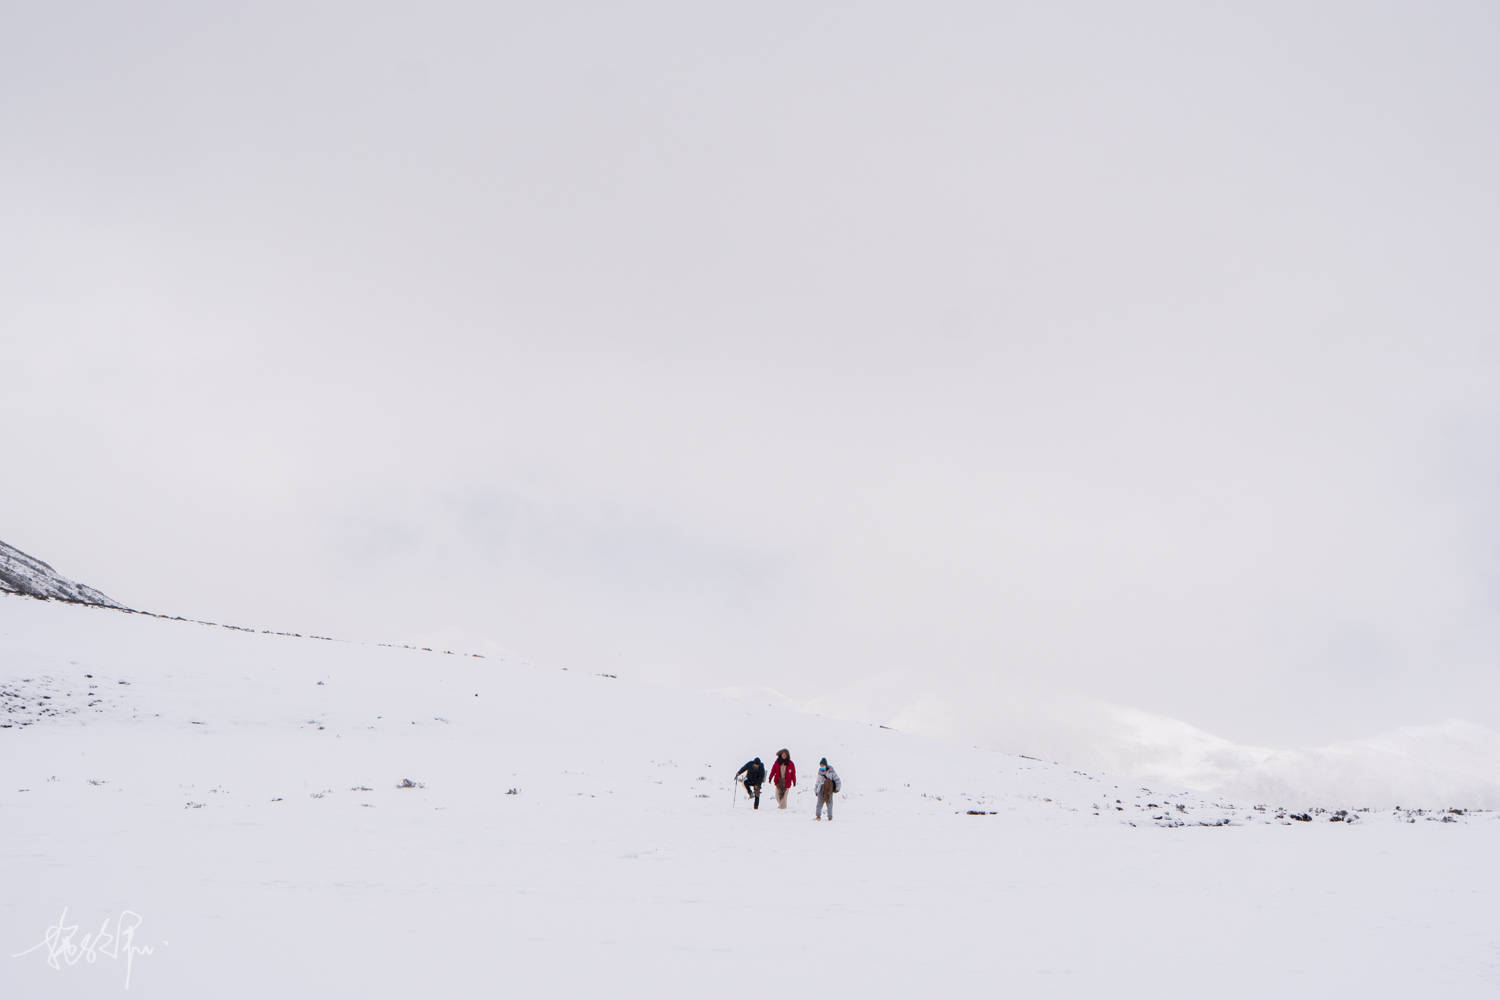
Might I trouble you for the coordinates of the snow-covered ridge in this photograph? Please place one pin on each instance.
(24, 574)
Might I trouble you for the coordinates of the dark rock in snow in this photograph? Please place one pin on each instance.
(23, 574)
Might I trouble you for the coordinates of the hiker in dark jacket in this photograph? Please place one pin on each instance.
(783, 776)
(755, 775)
(828, 783)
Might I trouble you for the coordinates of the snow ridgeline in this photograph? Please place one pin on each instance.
(24, 574)
(28, 576)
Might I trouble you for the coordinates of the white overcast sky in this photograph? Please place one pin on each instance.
(1147, 351)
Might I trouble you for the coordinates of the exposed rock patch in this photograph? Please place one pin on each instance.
(23, 574)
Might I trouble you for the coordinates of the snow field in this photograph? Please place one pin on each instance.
(252, 817)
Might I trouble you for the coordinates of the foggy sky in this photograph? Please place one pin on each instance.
(1142, 351)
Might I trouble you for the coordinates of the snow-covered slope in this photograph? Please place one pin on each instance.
(279, 815)
(23, 574)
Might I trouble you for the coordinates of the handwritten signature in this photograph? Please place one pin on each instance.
(63, 945)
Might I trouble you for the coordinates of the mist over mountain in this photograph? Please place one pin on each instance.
(1443, 763)
(24, 574)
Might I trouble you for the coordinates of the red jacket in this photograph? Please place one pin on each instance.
(783, 773)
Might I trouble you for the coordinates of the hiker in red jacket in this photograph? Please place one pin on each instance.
(783, 776)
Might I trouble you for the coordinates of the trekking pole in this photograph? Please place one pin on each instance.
(733, 792)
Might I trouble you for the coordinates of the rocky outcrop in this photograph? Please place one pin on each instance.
(23, 574)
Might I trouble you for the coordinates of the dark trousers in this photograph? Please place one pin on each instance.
(753, 790)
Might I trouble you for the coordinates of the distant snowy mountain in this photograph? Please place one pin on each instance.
(24, 574)
(1451, 763)
(1446, 764)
